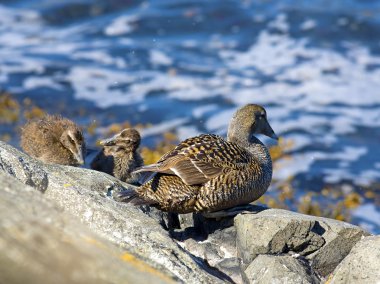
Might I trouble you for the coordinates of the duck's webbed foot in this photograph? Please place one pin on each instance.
(232, 212)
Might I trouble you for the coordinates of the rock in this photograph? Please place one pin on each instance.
(324, 242)
(40, 243)
(279, 269)
(80, 234)
(213, 241)
(361, 265)
(86, 194)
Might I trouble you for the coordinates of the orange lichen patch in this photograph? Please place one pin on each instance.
(286, 191)
(141, 126)
(170, 137)
(91, 129)
(370, 194)
(352, 200)
(5, 137)
(279, 151)
(307, 206)
(325, 192)
(114, 128)
(338, 211)
(142, 266)
(328, 281)
(9, 108)
(34, 112)
(151, 156)
(94, 242)
(117, 127)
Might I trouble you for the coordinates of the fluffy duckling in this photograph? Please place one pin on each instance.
(54, 140)
(119, 156)
(206, 173)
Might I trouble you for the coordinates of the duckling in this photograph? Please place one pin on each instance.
(54, 140)
(119, 156)
(206, 173)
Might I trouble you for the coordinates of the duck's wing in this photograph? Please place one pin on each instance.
(196, 160)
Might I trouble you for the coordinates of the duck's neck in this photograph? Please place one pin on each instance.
(251, 143)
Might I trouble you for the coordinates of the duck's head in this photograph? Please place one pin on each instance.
(127, 140)
(72, 139)
(249, 120)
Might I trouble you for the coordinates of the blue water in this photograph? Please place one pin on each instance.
(185, 66)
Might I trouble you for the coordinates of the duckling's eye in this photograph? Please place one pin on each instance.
(71, 140)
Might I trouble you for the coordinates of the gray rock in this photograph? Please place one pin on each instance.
(86, 194)
(212, 240)
(268, 269)
(40, 243)
(324, 242)
(207, 251)
(361, 265)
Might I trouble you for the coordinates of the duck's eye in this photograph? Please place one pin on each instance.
(71, 140)
(260, 115)
(78, 136)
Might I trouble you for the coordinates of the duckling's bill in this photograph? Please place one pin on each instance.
(79, 157)
(109, 141)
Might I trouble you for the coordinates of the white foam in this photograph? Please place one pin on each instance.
(162, 127)
(308, 25)
(159, 58)
(95, 84)
(199, 111)
(121, 25)
(369, 215)
(36, 82)
(219, 121)
(301, 162)
(99, 56)
(280, 23)
(185, 132)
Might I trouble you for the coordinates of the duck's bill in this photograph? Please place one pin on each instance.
(109, 141)
(268, 131)
(80, 158)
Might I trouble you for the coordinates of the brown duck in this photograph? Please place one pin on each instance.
(119, 156)
(206, 173)
(54, 140)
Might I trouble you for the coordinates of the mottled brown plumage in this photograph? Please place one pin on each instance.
(54, 140)
(207, 173)
(119, 156)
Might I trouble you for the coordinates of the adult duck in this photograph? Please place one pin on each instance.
(207, 173)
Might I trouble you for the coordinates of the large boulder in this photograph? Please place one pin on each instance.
(40, 243)
(362, 265)
(75, 228)
(322, 241)
(86, 195)
(267, 269)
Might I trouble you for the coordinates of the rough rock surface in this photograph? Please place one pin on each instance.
(324, 242)
(267, 269)
(84, 193)
(362, 265)
(74, 211)
(39, 243)
(213, 241)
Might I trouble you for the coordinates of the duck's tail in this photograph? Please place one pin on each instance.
(131, 195)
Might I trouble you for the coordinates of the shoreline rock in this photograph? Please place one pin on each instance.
(40, 243)
(86, 194)
(227, 250)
